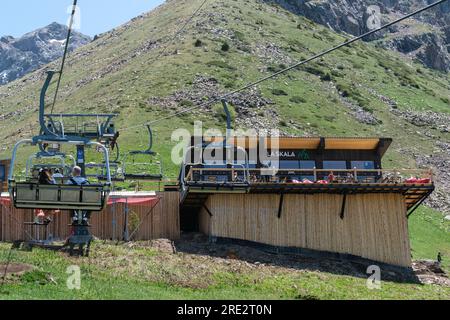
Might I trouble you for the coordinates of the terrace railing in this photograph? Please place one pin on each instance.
(308, 176)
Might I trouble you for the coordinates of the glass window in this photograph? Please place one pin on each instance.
(339, 165)
(289, 165)
(307, 164)
(363, 165)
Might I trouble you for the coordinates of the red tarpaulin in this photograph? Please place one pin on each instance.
(6, 201)
(134, 200)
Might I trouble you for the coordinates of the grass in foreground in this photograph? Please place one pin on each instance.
(140, 271)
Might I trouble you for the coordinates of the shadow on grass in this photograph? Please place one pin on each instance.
(309, 260)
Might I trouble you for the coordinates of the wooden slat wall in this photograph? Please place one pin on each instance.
(374, 227)
(161, 222)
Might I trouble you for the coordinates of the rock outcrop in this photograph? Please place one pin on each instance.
(427, 39)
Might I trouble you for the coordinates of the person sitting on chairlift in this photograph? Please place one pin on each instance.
(78, 180)
(58, 174)
(45, 177)
(43, 216)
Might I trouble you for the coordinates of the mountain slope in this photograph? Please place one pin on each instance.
(425, 38)
(362, 90)
(29, 52)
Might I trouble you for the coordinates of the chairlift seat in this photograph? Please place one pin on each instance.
(30, 195)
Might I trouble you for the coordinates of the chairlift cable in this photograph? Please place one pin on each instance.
(66, 48)
(296, 65)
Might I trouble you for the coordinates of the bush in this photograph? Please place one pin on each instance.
(297, 99)
(225, 47)
(314, 70)
(186, 103)
(326, 77)
(276, 68)
(344, 90)
(283, 123)
(279, 92)
(198, 43)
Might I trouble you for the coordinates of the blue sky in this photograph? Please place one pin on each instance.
(18, 17)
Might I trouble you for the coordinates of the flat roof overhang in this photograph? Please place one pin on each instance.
(380, 145)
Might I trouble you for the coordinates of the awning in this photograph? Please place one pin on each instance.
(150, 201)
(5, 201)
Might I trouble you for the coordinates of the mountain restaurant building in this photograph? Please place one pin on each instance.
(323, 196)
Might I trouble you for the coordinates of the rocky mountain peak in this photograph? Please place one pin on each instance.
(27, 53)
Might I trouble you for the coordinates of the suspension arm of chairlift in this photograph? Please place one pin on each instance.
(228, 114)
(106, 158)
(150, 144)
(13, 158)
(44, 128)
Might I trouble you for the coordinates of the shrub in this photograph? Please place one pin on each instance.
(186, 103)
(225, 47)
(326, 77)
(344, 90)
(276, 68)
(283, 123)
(198, 43)
(297, 99)
(279, 92)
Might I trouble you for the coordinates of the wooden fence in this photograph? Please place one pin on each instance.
(374, 226)
(162, 221)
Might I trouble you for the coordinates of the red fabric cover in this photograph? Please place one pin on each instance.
(296, 181)
(132, 200)
(424, 181)
(411, 180)
(306, 181)
(6, 201)
(322, 182)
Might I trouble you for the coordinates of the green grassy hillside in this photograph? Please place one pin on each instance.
(361, 90)
(142, 271)
(118, 73)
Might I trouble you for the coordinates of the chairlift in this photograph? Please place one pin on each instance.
(64, 167)
(98, 170)
(144, 165)
(30, 194)
(216, 167)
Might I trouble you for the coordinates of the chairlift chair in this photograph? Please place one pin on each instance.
(98, 170)
(64, 167)
(33, 195)
(148, 170)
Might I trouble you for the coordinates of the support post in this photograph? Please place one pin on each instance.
(344, 203)
(81, 159)
(280, 206)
